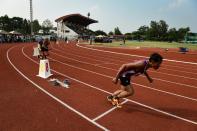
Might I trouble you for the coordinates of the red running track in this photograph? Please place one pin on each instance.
(31, 103)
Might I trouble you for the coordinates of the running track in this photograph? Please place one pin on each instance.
(31, 103)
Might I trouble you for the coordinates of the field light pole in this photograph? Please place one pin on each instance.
(31, 17)
(88, 18)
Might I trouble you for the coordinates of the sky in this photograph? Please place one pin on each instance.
(128, 15)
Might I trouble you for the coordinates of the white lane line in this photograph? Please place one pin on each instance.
(116, 70)
(188, 66)
(52, 96)
(150, 71)
(180, 71)
(103, 64)
(169, 93)
(177, 75)
(96, 88)
(107, 112)
(181, 84)
(81, 61)
(90, 58)
(185, 62)
(182, 67)
(163, 67)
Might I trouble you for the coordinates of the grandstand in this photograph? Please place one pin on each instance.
(74, 26)
(191, 37)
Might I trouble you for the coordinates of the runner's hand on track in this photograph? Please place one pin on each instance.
(115, 81)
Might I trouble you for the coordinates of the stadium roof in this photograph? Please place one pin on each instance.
(77, 19)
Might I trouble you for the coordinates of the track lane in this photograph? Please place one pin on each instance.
(27, 64)
(157, 84)
(70, 73)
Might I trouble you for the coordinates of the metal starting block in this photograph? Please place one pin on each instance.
(56, 82)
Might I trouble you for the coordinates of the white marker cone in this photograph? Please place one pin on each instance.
(44, 69)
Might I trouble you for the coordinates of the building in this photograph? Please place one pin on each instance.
(191, 37)
(74, 26)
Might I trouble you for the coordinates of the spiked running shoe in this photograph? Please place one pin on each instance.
(115, 102)
(110, 98)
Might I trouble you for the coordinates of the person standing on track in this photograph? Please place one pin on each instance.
(125, 73)
(43, 45)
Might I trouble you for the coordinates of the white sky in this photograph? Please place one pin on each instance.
(128, 15)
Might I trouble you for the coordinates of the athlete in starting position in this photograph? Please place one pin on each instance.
(125, 73)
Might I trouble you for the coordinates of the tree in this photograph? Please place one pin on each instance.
(136, 35)
(111, 33)
(128, 36)
(25, 29)
(5, 23)
(154, 31)
(100, 32)
(16, 23)
(117, 31)
(182, 32)
(172, 35)
(36, 26)
(163, 28)
(158, 30)
(143, 31)
(46, 26)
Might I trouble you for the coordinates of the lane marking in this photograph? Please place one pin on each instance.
(107, 112)
(128, 60)
(96, 88)
(169, 93)
(154, 71)
(52, 96)
(185, 62)
(178, 95)
(150, 71)
(182, 84)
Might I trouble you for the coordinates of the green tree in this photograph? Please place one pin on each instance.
(162, 28)
(117, 31)
(158, 30)
(182, 32)
(136, 35)
(100, 32)
(36, 26)
(172, 35)
(111, 33)
(5, 23)
(128, 36)
(154, 31)
(26, 29)
(143, 32)
(16, 23)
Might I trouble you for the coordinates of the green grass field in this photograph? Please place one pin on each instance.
(149, 44)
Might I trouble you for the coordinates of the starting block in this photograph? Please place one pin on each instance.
(44, 69)
(56, 82)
